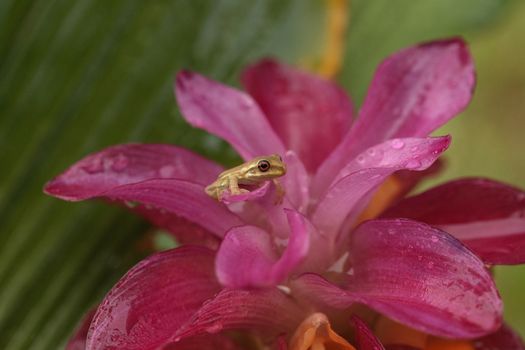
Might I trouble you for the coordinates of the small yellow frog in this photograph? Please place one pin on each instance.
(253, 172)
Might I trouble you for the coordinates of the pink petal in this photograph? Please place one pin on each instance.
(116, 172)
(182, 198)
(215, 342)
(150, 303)
(78, 340)
(253, 249)
(417, 275)
(364, 336)
(487, 215)
(503, 339)
(296, 182)
(500, 242)
(269, 312)
(296, 104)
(359, 178)
(228, 113)
(131, 163)
(248, 196)
(413, 93)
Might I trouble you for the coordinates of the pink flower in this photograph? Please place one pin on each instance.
(270, 269)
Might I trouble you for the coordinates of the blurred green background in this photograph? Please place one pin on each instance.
(76, 76)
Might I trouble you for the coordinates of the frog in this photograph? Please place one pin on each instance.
(253, 172)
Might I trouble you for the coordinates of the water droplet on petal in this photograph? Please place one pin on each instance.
(434, 239)
(413, 164)
(131, 204)
(430, 265)
(360, 159)
(214, 328)
(95, 166)
(371, 152)
(167, 171)
(397, 144)
(119, 163)
(391, 231)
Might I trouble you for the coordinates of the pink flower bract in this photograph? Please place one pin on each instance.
(263, 267)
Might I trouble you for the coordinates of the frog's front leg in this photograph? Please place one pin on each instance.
(233, 186)
(279, 192)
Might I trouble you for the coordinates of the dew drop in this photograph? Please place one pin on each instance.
(94, 167)
(391, 231)
(434, 239)
(119, 163)
(371, 152)
(167, 171)
(360, 159)
(214, 328)
(430, 265)
(413, 164)
(397, 144)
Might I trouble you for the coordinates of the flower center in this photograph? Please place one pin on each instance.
(315, 333)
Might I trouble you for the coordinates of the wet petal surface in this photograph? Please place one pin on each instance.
(413, 92)
(127, 164)
(147, 306)
(357, 181)
(417, 275)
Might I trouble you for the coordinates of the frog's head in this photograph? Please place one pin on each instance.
(265, 167)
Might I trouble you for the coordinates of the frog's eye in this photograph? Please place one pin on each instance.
(263, 165)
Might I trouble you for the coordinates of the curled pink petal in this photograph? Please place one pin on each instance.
(296, 182)
(254, 194)
(417, 275)
(268, 312)
(152, 301)
(296, 103)
(126, 164)
(356, 181)
(228, 113)
(364, 336)
(503, 339)
(253, 249)
(488, 216)
(413, 92)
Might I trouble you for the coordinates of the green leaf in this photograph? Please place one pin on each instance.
(77, 76)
